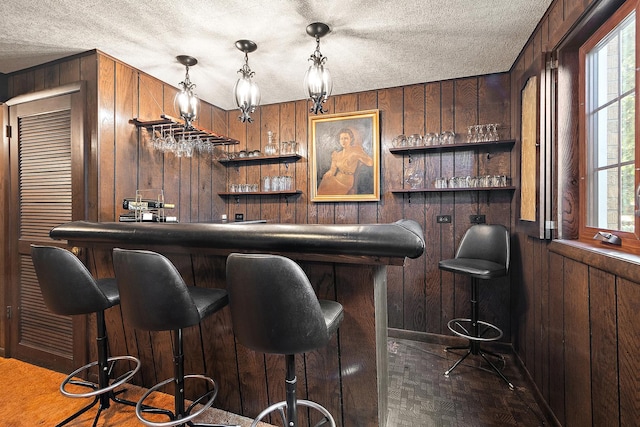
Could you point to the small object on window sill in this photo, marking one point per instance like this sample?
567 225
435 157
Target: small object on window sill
609 238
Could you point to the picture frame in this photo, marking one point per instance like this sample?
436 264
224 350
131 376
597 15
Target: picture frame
344 157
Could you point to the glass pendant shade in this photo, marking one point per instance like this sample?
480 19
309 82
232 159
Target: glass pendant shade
187 104
319 85
247 96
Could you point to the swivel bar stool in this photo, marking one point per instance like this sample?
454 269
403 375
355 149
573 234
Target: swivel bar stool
156 298
68 288
274 309
483 254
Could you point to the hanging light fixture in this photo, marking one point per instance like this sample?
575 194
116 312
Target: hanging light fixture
186 102
317 80
246 91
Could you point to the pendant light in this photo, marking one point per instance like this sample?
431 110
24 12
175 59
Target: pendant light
246 91
186 102
317 80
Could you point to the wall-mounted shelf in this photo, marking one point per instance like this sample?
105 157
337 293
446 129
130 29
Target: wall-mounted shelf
449 190
286 158
167 123
453 147
259 193
237 195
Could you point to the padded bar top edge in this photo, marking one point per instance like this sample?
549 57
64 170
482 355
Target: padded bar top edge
403 238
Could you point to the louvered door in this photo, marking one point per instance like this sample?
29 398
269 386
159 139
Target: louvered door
45 141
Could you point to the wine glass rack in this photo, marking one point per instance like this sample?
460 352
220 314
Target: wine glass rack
167 124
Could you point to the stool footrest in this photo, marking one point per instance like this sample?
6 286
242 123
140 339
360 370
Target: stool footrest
464 328
280 406
140 407
96 390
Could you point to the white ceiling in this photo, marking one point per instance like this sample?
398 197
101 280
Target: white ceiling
372 44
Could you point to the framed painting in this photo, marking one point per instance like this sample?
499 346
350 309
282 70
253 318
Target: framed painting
344 157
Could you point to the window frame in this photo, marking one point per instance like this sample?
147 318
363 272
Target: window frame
630 240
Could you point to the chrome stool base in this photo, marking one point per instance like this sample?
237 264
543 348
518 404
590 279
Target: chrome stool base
458 327
102 392
95 387
281 408
190 416
464 328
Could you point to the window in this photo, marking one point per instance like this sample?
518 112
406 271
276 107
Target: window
608 123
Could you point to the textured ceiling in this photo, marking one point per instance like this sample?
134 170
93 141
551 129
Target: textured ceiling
372 44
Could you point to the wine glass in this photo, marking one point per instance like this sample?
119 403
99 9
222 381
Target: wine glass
169 144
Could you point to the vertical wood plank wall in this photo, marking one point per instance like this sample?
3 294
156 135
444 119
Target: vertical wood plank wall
575 322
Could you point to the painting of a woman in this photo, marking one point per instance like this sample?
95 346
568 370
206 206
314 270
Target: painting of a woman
340 178
344 157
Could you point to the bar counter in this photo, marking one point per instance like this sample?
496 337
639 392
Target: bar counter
344 262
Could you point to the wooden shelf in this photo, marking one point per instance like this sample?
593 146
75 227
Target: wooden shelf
260 193
453 147
286 158
449 190
167 123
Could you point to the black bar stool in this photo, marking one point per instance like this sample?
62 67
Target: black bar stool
68 288
274 309
155 298
483 254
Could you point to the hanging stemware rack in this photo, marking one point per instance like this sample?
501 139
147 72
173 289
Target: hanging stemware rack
167 124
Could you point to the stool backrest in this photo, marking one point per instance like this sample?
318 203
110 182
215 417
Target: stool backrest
153 296
487 242
274 308
67 286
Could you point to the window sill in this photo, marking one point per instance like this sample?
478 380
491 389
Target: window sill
605 258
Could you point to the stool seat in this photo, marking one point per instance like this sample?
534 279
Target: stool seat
274 309
69 289
478 268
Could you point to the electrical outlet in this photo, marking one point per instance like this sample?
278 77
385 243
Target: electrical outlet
443 219
477 219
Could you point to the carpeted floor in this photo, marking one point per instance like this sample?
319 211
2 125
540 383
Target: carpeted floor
38 402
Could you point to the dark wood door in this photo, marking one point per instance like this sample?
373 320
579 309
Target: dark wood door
47 189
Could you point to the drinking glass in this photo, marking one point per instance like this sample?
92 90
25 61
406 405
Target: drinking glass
399 141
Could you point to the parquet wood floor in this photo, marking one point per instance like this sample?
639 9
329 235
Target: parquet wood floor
472 395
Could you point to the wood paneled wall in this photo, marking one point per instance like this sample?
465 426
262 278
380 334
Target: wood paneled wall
578 315
575 311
